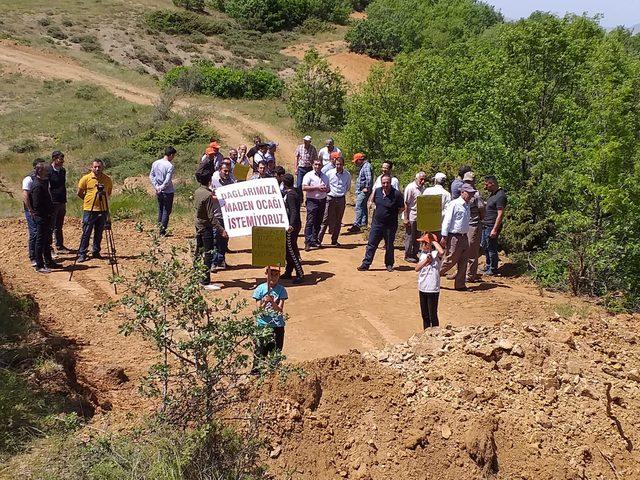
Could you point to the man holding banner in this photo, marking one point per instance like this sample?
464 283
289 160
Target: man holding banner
455 228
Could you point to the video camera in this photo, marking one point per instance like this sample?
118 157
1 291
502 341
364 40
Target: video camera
100 187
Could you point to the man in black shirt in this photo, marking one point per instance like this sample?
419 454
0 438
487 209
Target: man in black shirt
58 188
292 204
42 207
389 204
492 223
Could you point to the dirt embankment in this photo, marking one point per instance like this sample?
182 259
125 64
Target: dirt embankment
556 398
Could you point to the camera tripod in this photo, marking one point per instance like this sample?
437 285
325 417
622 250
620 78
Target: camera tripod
102 199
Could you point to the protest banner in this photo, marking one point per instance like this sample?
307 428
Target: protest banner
254 203
240 172
429 213
268 246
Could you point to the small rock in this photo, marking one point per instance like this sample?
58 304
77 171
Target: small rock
414 439
573 368
446 432
382 356
409 389
562 336
505 344
634 375
275 453
517 350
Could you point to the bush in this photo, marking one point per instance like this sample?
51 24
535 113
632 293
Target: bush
193 5
88 43
44 22
178 132
274 15
183 23
225 82
56 32
315 97
24 146
87 92
313 26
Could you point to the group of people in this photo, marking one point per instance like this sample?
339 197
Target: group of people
318 179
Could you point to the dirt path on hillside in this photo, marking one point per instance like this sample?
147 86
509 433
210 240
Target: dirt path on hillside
234 128
337 310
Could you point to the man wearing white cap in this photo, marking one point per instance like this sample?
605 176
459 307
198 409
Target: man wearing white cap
305 155
438 189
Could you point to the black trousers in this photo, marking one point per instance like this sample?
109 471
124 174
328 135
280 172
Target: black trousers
315 212
293 253
264 348
59 211
204 248
376 234
429 309
43 241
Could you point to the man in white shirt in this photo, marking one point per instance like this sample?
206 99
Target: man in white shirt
455 228
339 185
161 176
438 189
325 152
316 185
386 169
411 194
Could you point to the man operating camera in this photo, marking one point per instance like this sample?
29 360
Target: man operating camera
94 189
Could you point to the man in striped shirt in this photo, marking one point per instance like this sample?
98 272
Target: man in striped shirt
305 155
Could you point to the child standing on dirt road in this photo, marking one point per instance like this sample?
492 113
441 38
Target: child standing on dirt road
428 268
270 297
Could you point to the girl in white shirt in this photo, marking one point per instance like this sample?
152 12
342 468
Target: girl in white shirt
428 268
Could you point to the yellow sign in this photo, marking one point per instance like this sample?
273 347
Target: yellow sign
268 246
241 172
429 213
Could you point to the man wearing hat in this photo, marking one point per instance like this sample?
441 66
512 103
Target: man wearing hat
455 230
58 189
212 154
305 155
476 208
438 189
364 184
261 155
271 153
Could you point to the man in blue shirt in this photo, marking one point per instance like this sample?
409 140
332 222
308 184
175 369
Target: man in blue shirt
161 179
364 184
339 185
389 204
270 297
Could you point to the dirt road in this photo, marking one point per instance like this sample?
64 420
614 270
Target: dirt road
234 127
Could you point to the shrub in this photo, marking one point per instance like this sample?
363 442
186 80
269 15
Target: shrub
193 5
274 15
87 92
56 32
24 146
313 26
225 82
177 132
44 22
182 23
88 43
315 97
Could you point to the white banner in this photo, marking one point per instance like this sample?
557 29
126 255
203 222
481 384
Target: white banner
256 203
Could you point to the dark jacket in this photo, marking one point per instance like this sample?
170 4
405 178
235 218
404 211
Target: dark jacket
292 205
205 210
41 199
58 184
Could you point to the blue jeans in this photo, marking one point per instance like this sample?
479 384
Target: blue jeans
222 244
490 246
376 234
362 213
302 171
31 227
92 221
165 205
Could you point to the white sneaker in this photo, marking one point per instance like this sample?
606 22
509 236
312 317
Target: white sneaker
34 263
212 287
43 270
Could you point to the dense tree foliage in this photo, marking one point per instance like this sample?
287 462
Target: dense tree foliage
393 26
550 106
274 15
315 97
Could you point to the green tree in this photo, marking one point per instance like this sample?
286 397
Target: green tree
547 104
193 5
315 97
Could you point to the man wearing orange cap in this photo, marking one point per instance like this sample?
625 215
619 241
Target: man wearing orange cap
212 154
364 184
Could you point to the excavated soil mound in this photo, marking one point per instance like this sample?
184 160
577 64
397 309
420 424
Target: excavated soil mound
553 399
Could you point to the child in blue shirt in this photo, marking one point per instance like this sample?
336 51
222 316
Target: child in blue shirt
270 297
